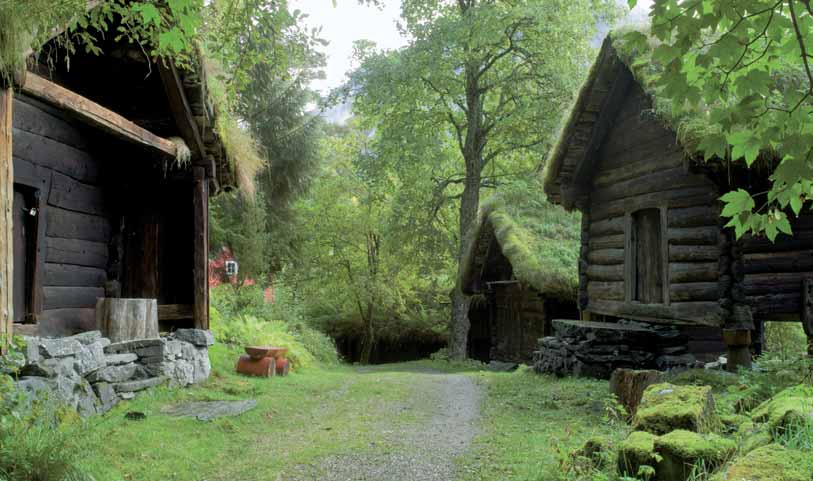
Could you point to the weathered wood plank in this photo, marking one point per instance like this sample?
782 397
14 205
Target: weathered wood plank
606 257
201 248
32 175
694 271
694 236
694 291
66 275
647 158
613 291
181 111
672 198
605 273
71 297
699 216
96 115
65 322
703 313
680 253
801 240
774 282
6 218
647 184
76 252
31 117
768 305
175 312
606 242
72 195
54 155
788 261
611 226
74 225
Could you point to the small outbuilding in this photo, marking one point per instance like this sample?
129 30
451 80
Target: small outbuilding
106 169
520 271
653 244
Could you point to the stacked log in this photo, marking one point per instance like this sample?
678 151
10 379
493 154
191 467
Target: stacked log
596 349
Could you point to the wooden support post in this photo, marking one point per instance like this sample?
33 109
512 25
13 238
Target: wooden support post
6 224
201 271
738 348
807 313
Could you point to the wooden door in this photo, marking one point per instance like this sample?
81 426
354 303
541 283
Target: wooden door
21 241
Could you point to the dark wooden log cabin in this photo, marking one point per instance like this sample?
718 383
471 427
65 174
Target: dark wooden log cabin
653 245
520 269
107 168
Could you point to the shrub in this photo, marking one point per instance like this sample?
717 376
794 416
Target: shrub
39 443
784 340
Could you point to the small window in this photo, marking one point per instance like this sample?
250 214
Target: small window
231 268
646 256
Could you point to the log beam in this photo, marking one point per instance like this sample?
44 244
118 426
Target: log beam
95 115
807 313
201 271
6 225
181 111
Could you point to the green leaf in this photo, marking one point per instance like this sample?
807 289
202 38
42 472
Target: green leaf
737 202
713 145
149 14
630 3
744 146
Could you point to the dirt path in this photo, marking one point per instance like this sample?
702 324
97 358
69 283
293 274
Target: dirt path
418 438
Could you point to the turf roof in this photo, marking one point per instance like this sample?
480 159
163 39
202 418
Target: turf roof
539 239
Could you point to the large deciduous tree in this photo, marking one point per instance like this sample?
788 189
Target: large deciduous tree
494 76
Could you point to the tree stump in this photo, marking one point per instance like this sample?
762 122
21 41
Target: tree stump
127 319
628 385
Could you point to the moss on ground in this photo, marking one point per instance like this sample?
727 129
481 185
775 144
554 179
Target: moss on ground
793 406
636 451
772 463
666 407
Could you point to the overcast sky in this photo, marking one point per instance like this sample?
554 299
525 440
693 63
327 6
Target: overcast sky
349 21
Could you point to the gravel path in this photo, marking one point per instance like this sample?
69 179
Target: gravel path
447 408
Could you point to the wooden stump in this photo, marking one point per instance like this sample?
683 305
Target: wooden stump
628 385
127 319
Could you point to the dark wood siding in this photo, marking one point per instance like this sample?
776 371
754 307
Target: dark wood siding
641 166
54 156
774 271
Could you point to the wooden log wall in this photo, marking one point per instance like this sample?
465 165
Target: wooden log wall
772 273
519 321
6 219
640 166
54 157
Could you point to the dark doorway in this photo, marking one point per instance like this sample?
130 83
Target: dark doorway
646 245
24 231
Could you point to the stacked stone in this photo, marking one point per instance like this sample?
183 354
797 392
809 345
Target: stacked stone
596 349
88 373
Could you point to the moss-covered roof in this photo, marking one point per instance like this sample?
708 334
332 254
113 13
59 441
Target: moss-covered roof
539 239
579 135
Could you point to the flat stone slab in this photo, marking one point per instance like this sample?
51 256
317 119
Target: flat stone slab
209 410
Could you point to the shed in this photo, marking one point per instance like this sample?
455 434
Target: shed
520 269
106 169
653 245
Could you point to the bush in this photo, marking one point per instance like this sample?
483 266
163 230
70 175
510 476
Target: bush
39 443
305 345
785 340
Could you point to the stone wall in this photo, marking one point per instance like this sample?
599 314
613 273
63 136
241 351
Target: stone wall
90 374
596 349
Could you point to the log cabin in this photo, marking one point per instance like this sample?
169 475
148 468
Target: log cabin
520 271
106 169
653 244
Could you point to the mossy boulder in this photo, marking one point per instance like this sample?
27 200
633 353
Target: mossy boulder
793 406
772 463
680 451
666 407
594 453
636 451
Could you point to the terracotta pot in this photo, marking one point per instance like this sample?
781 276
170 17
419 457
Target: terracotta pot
282 366
263 367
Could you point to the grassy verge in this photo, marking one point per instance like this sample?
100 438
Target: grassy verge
530 424
298 419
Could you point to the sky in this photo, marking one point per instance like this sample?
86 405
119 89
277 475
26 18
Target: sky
349 21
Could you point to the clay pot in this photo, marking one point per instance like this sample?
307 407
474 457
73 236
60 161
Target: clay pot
262 367
259 352
282 366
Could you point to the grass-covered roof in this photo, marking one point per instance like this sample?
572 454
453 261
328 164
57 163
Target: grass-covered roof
622 54
539 239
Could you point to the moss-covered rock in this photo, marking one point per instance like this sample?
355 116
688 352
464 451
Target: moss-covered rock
793 406
681 450
595 452
667 407
731 423
636 451
772 463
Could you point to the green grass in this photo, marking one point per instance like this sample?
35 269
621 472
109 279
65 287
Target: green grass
532 423
298 419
